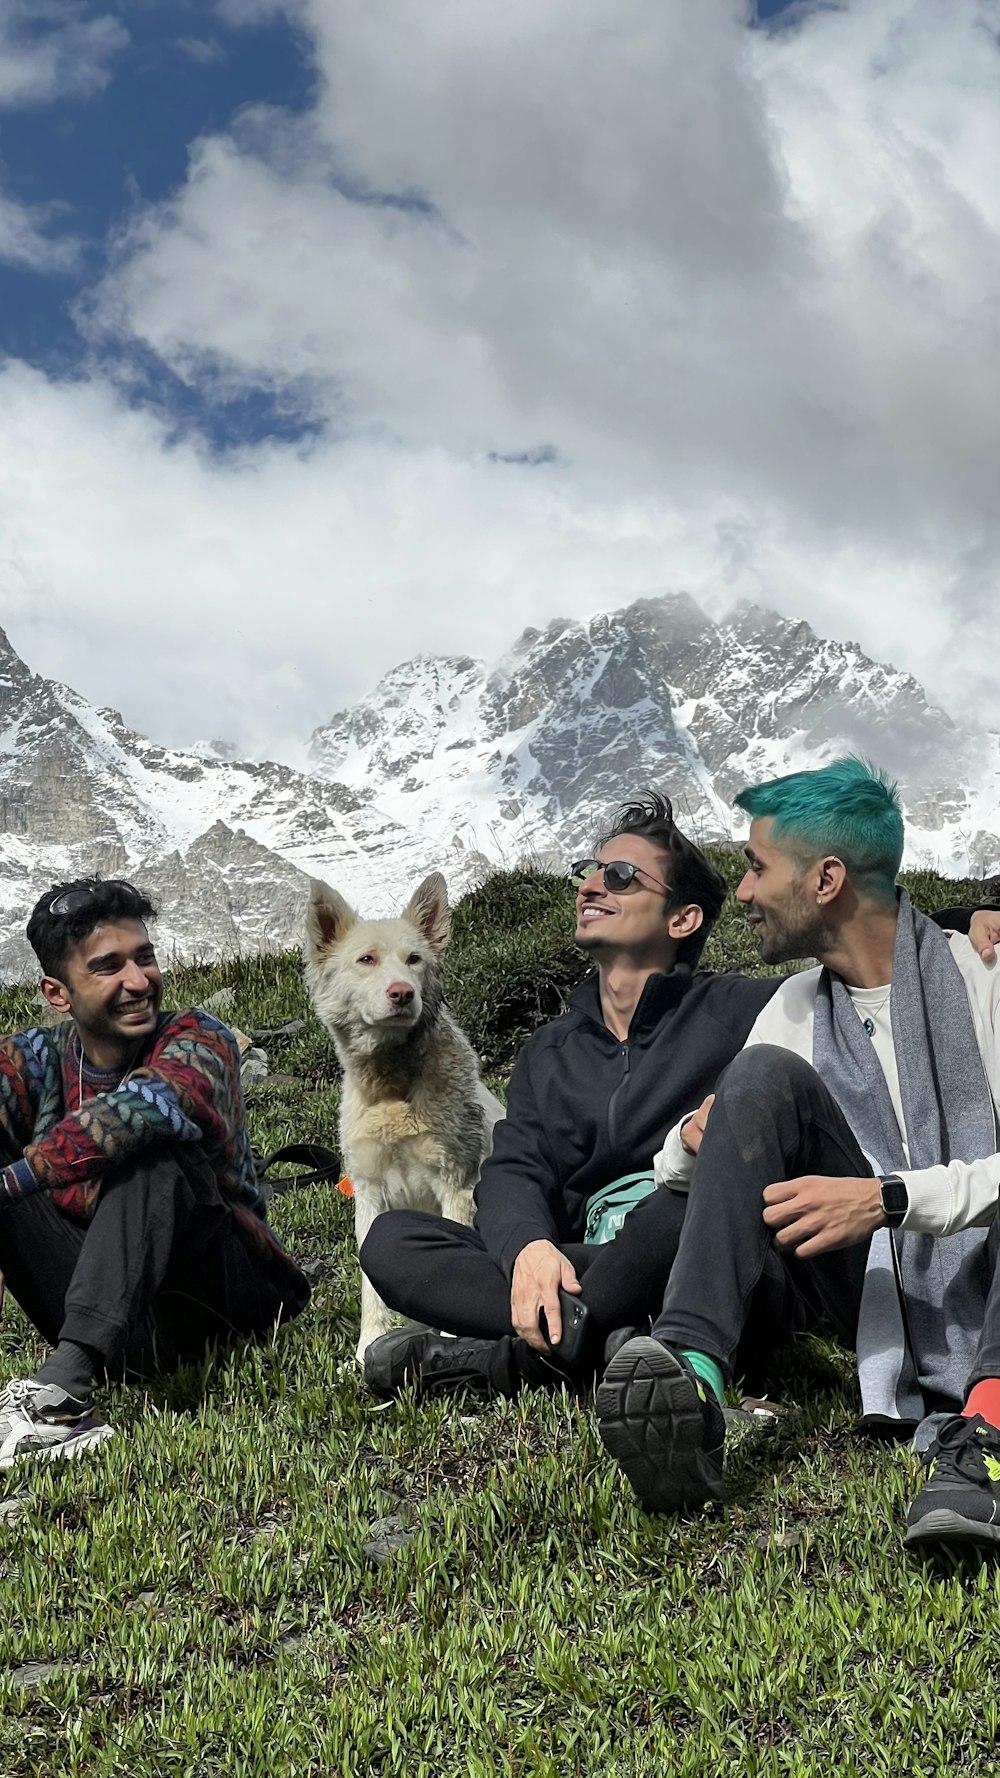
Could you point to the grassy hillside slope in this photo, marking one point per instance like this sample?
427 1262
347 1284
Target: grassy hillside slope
217 1591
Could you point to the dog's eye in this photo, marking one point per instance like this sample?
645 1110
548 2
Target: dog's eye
367 958
414 957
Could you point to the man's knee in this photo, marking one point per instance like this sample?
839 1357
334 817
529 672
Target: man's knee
765 1072
166 1166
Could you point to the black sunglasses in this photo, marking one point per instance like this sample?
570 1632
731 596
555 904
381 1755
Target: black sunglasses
75 899
619 875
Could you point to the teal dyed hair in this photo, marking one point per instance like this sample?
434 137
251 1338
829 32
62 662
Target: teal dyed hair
850 809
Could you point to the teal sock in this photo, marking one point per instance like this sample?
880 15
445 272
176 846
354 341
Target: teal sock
709 1372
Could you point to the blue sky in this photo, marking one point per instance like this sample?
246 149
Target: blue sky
179 71
334 332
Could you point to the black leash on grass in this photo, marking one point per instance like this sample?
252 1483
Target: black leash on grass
325 1165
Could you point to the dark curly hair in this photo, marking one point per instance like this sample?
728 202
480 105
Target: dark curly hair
693 879
52 936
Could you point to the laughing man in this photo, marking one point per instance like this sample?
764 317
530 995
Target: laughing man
850 1156
132 1231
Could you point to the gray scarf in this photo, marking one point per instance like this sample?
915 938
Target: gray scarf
948 1115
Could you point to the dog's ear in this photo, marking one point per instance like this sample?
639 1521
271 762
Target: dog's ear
428 909
328 917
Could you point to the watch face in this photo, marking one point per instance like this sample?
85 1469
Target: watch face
895 1199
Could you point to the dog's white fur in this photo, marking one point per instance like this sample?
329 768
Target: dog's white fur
416 1121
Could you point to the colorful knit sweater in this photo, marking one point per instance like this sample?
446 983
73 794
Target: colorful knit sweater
185 1087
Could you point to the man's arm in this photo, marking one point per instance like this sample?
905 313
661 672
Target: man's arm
674 1164
815 1214
778 1018
980 925
189 1091
30 1086
517 1213
944 1199
518 1191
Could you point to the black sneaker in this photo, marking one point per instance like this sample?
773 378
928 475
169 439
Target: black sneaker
663 1425
960 1500
438 1364
617 1338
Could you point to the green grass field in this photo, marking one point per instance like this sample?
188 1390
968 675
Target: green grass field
217 1591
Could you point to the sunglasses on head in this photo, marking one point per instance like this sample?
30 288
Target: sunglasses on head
75 899
619 875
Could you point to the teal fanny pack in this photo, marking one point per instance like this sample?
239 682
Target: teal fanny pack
608 1208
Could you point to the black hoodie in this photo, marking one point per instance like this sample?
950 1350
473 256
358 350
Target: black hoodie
584 1107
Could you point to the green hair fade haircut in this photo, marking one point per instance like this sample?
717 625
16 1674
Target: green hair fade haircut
849 809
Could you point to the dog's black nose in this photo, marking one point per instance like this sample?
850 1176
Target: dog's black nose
399 993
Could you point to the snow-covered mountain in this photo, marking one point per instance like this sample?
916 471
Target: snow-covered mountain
527 756
220 844
461 765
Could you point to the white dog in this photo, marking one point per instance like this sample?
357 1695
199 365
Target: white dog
416 1121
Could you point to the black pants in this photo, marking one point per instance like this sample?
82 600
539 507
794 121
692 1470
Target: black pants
439 1271
157 1276
773 1119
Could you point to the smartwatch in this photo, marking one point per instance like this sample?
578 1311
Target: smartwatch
895 1199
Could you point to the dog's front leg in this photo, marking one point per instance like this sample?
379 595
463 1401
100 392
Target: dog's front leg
454 1196
376 1318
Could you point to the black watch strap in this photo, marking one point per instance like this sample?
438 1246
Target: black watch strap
895 1199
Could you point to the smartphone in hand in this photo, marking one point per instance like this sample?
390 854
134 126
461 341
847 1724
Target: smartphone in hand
575 1321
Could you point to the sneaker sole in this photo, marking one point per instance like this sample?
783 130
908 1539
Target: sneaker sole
943 1525
650 1419
68 1448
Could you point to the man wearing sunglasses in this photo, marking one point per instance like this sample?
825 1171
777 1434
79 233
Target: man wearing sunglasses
851 1155
590 1101
132 1229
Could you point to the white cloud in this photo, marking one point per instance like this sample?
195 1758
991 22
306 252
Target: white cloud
24 242
49 49
203 50
744 284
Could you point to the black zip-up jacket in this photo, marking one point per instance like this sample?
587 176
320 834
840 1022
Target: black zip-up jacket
584 1107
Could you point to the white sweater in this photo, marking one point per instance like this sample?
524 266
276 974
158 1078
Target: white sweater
942 1199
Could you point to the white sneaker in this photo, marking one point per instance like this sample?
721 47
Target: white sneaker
27 1431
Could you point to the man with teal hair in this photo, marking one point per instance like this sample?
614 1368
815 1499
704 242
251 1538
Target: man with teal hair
856 1129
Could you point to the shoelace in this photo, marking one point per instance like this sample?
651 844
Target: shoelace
18 1394
960 1451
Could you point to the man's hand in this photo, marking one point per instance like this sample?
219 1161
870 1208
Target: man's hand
693 1128
539 1270
984 933
816 1215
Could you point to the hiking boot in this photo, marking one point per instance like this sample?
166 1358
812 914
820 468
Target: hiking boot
41 1420
663 1425
438 1364
960 1500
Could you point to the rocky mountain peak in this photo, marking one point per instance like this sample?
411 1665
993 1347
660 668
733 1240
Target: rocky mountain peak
458 764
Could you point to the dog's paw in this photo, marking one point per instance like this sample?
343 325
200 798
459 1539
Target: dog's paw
373 1330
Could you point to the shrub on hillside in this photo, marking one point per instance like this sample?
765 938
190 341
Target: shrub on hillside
511 963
